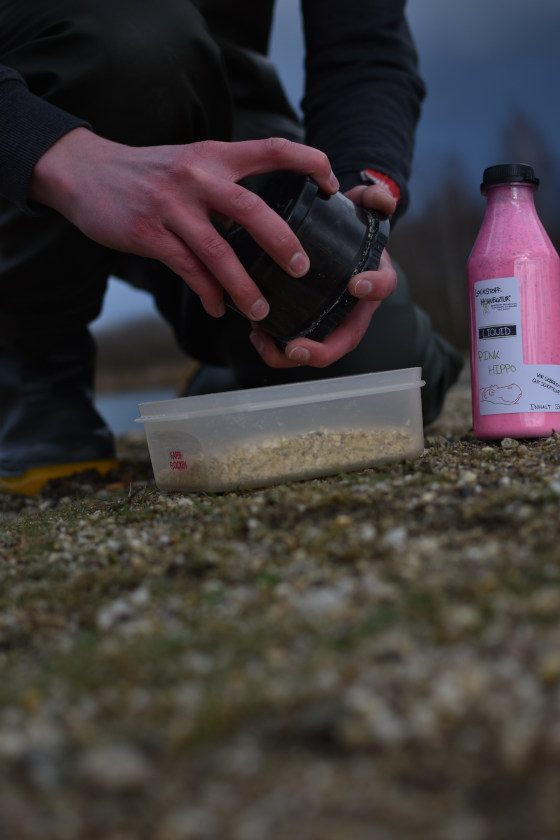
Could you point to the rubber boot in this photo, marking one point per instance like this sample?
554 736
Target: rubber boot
48 423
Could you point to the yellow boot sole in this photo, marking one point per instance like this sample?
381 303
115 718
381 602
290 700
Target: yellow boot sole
34 479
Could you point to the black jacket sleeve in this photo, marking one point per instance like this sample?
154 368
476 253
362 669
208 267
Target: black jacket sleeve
363 91
29 126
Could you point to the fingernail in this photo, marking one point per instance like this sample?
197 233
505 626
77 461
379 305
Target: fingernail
333 181
215 310
299 355
256 340
299 264
363 287
259 310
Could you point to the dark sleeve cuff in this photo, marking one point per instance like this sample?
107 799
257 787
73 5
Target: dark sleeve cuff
30 126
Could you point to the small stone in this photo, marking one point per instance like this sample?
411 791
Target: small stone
115 767
548 667
117 612
460 618
509 443
545 602
323 600
465 827
189 824
367 532
396 538
140 597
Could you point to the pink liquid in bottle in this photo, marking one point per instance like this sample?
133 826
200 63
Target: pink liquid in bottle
513 277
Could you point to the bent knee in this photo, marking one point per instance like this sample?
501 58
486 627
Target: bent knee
163 72
139 72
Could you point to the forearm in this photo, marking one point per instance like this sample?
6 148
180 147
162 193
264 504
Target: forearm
363 91
30 126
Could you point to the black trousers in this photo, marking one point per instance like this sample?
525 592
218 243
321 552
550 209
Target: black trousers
145 73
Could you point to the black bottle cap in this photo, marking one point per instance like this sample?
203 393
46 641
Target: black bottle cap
508 173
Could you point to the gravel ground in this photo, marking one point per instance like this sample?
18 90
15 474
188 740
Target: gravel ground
370 656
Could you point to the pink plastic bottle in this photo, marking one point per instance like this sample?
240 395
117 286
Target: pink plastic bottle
514 306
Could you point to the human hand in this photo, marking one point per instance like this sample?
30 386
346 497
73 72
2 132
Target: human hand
371 287
157 202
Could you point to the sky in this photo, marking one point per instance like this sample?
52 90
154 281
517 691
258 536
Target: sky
482 60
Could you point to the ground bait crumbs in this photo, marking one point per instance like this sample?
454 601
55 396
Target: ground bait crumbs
308 455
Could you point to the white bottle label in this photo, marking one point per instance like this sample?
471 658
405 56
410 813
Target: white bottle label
506 385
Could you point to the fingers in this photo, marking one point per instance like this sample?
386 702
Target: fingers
373 197
209 266
207 261
372 287
215 264
182 261
304 351
375 285
253 157
266 227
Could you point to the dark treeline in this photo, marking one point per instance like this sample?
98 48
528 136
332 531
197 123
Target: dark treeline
433 244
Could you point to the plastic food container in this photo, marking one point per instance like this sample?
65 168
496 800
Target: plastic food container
262 436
